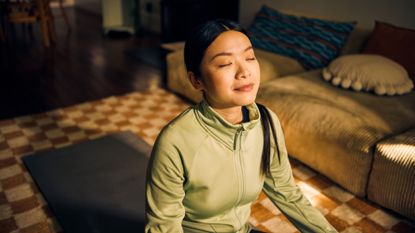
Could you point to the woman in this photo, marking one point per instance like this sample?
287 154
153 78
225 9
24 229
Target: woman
210 163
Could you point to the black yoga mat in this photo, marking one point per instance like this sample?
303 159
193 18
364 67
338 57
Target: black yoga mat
95 186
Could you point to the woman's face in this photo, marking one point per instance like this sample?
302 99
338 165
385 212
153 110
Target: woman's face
230 72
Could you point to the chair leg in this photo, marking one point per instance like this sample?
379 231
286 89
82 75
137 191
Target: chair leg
65 17
51 23
30 32
43 23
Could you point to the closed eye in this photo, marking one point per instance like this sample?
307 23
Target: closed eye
251 59
224 65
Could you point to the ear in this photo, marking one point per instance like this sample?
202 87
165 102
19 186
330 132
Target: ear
195 81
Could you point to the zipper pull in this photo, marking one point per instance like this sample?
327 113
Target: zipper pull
235 140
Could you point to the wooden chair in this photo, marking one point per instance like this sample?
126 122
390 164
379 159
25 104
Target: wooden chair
30 12
61 15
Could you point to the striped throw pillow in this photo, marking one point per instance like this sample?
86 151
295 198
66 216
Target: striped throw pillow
313 42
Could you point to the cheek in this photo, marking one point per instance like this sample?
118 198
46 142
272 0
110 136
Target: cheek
219 79
256 71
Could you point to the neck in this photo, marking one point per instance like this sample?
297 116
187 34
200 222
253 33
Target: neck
233 114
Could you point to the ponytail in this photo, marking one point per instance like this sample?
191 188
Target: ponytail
266 121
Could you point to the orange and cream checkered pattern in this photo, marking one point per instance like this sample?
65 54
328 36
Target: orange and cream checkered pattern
23 209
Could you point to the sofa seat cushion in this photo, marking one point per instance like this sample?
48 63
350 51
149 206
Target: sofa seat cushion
272 66
391 182
334 130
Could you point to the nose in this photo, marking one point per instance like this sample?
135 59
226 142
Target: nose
243 72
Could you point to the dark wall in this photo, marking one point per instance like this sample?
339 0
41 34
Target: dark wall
179 16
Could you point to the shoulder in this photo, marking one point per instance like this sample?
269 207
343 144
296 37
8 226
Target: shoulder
279 144
178 142
274 117
184 123
180 132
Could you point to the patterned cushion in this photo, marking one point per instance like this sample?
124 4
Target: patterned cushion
313 42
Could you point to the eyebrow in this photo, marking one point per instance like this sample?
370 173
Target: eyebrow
228 54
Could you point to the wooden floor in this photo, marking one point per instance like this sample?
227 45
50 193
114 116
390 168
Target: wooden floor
79 67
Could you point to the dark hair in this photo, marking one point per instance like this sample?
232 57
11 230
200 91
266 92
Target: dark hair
196 44
201 37
266 121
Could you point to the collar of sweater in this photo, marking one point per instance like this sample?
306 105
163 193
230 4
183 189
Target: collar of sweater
221 129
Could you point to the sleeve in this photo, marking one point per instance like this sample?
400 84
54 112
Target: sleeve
279 186
164 189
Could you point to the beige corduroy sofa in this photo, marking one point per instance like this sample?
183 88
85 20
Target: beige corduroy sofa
363 142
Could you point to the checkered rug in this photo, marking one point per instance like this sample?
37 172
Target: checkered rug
23 209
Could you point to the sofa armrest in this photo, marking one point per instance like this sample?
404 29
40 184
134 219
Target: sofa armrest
177 79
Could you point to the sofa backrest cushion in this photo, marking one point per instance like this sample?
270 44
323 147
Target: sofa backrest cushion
356 40
394 42
313 42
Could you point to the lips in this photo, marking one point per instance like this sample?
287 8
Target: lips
245 88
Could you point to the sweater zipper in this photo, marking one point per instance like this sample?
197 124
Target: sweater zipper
240 173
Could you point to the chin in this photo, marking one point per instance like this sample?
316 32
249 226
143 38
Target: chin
246 100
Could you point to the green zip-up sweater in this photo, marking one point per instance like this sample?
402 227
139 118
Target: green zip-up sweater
204 174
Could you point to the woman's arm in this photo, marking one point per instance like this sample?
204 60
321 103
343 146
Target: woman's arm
164 189
286 195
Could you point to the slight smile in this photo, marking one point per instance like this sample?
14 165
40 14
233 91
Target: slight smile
245 88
